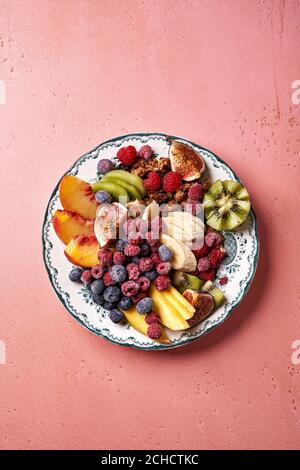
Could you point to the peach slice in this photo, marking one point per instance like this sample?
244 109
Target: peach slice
68 225
77 196
83 251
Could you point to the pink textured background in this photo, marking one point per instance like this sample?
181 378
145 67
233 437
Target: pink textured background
219 73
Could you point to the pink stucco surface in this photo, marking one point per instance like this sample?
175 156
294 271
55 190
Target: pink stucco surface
219 73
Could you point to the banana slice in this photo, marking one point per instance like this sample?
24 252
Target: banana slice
183 258
187 221
178 233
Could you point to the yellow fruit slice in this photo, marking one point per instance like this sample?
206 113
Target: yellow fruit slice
168 314
184 312
138 322
182 300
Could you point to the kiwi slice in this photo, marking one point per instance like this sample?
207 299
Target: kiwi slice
226 205
218 296
132 191
130 178
113 189
183 281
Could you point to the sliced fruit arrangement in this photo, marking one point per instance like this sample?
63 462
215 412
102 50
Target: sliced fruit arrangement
226 205
151 269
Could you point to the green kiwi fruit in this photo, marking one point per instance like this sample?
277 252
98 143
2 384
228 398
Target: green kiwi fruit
226 205
130 178
113 189
218 296
183 281
132 191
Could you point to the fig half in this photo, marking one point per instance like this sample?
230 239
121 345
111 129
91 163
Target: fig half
203 303
186 161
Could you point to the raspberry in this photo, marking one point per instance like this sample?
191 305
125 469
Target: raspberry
134 238
144 283
155 258
142 225
131 250
119 257
130 288
154 331
201 252
130 226
133 271
108 281
163 268
127 155
145 152
223 280
162 282
136 298
97 271
195 192
86 277
216 257
105 256
208 275
171 182
157 226
146 264
153 181
153 240
152 317
203 264
213 238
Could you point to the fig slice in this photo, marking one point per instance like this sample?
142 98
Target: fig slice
186 161
108 220
203 303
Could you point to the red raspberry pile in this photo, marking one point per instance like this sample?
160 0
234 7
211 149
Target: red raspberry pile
209 256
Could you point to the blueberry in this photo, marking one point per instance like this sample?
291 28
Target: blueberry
105 165
112 294
116 316
151 275
75 275
125 303
108 305
145 305
97 286
103 197
145 249
135 259
118 273
120 245
98 298
165 253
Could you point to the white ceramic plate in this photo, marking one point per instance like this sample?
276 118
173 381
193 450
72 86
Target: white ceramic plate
241 245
